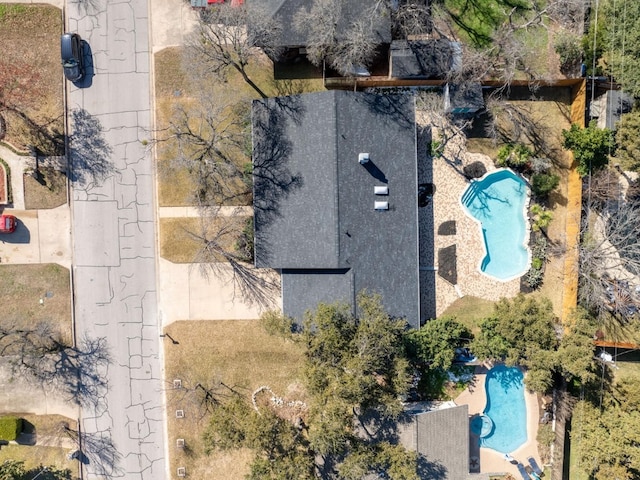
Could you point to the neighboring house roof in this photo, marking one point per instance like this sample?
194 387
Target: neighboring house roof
442 438
314 201
427 59
609 107
463 99
285 11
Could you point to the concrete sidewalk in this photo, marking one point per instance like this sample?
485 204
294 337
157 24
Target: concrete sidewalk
193 212
20 395
17 165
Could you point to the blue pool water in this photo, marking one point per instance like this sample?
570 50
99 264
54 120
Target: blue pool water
506 409
497 202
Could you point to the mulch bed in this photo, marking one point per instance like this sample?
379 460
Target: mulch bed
448 264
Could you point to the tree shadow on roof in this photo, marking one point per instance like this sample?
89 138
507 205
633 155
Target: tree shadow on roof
391 107
273 180
430 469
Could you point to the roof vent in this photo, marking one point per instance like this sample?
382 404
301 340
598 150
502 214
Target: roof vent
381 190
381 205
363 158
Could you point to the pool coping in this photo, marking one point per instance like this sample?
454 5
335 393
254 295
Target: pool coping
527 222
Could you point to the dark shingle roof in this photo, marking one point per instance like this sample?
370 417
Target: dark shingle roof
424 58
322 229
442 437
285 11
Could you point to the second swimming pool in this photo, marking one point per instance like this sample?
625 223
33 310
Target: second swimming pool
506 408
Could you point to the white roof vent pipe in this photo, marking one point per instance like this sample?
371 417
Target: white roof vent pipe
381 190
381 205
363 158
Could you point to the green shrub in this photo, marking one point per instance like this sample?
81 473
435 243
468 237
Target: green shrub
514 156
539 247
545 435
543 183
437 149
277 324
541 217
537 263
534 278
569 47
10 427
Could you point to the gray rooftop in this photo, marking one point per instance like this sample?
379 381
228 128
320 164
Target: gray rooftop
427 59
314 202
286 10
609 107
442 438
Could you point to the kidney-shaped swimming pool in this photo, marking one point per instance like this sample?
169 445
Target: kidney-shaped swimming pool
497 202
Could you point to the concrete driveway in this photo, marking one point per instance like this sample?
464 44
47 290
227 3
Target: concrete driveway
42 236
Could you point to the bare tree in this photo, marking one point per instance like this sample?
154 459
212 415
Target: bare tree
609 256
227 38
412 18
199 395
95 449
218 255
210 137
332 37
568 13
447 131
506 54
41 354
602 189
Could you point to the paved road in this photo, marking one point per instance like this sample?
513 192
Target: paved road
114 241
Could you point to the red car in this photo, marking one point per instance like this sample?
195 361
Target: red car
7 223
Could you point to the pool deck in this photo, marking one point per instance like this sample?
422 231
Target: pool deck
492 461
450 183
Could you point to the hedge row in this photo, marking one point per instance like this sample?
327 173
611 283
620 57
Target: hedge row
10 427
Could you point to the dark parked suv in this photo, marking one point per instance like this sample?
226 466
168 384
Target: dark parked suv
72 56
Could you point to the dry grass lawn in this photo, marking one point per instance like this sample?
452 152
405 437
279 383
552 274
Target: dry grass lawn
22 287
51 194
238 354
31 36
175 87
181 238
470 311
36 455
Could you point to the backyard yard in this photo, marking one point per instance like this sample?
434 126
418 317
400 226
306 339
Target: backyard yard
544 114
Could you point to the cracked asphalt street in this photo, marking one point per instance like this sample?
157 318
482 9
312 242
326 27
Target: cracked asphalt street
113 219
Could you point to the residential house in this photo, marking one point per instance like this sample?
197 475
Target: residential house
293 43
424 59
335 197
